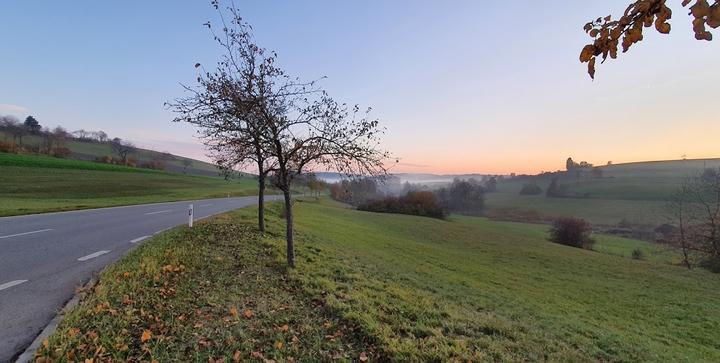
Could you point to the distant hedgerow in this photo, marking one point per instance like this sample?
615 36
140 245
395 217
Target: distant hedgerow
414 203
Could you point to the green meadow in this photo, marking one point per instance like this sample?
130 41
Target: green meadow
399 288
37 184
635 193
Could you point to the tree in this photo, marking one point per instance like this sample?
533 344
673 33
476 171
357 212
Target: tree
555 189
32 125
53 142
101 136
607 32
696 211
83 135
226 104
571 165
12 126
186 164
122 148
304 133
463 196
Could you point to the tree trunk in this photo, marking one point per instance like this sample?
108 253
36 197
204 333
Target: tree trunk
289 229
261 203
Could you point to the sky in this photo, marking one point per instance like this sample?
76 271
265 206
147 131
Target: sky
461 86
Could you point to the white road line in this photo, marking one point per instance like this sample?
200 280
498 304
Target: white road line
26 233
136 240
93 255
205 205
158 212
10 284
162 230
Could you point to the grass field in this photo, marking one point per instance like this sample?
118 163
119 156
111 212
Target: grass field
36 184
403 288
88 151
632 192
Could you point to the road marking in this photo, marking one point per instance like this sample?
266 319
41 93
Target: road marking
158 212
205 205
10 284
26 233
93 255
136 240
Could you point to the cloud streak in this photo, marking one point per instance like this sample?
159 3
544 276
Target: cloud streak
15 110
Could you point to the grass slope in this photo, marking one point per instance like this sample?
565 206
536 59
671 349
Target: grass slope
471 288
88 151
36 184
416 289
634 192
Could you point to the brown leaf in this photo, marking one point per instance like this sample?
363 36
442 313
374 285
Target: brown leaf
363 357
146 335
248 314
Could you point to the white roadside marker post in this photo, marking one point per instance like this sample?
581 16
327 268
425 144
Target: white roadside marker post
190 216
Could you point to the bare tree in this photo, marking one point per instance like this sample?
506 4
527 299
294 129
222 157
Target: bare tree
303 134
696 212
122 148
186 164
225 103
12 126
101 136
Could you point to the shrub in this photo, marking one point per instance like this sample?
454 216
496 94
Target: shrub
61 152
107 159
413 203
531 189
638 254
154 164
462 197
8 147
555 189
574 232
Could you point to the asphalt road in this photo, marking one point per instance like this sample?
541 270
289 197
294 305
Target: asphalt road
43 257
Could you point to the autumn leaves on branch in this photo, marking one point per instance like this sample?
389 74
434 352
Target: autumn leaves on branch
609 34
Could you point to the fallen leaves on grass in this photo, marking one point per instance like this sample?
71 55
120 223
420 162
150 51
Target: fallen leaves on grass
248 314
146 335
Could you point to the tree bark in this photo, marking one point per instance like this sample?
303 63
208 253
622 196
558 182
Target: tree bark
289 229
261 202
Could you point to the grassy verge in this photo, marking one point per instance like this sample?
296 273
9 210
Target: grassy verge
213 293
34 184
419 289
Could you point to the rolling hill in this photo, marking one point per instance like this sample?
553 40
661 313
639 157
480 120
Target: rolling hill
36 184
91 150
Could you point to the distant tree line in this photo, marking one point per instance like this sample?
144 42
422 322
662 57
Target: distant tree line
53 142
461 197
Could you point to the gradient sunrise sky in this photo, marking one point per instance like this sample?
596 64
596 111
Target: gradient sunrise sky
462 86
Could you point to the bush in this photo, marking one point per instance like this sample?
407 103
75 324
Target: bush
531 189
574 232
154 164
555 189
8 147
61 152
413 203
107 159
638 254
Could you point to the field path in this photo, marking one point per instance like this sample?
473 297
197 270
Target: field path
43 257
